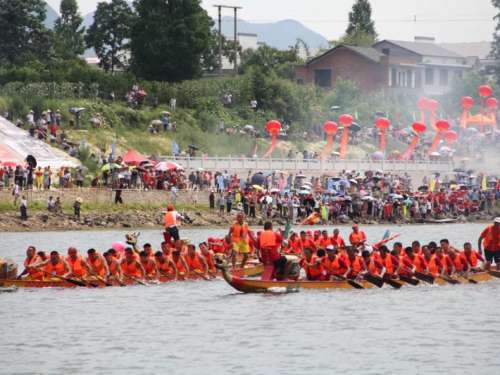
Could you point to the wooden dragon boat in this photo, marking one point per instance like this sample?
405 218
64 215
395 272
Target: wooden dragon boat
262 286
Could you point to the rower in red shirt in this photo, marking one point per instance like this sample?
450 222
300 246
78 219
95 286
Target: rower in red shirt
472 257
357 236
390 262
407 262
372 264
417 260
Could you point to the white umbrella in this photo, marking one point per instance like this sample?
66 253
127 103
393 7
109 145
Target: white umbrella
168 166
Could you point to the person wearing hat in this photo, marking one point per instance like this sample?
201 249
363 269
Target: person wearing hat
334 266
357 236
490 236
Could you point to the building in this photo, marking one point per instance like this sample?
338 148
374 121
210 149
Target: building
365 66
246 41
421 67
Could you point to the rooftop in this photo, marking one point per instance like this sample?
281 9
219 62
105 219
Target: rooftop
423 48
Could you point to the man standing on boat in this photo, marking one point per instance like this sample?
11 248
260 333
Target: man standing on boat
357 236
269 243
240 235
491 238
171 220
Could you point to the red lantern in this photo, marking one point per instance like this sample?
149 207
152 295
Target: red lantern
422 104
485 91
450 136
330 127
273 127
382 123
491 103
346 120
442 125
467 103
432 105
418 127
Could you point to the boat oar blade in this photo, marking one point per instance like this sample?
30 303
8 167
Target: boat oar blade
494 273
409 280
449 280
422 276
375 280
395 284
355 285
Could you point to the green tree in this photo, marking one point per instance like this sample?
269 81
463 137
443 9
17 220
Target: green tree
23 36
211 56
110 33
68 31
269 59
361 28
169 39
495 50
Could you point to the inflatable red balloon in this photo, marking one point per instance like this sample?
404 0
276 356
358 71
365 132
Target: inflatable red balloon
492 103
330 127
467 102
382 123
450 136
418 127
485 91
346 120
442 125
273 127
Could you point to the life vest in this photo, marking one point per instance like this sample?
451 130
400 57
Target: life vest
165 268
388 264
324 242
194 263
295 246
170 219
209 258
356 266
445 261
131 269
334 267
76 266
434 265
418 262
180 265
337 241
314 271
33 273
458 262
269 247
372 266
357 238
98 266
239 232
149 267
472 259
113 267
59 268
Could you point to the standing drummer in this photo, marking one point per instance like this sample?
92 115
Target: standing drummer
491 238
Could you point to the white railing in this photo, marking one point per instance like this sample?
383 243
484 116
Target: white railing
296 165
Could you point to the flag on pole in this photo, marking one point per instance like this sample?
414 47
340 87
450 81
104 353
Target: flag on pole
175 148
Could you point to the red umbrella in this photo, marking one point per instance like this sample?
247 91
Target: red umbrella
11 164
133 157
167 166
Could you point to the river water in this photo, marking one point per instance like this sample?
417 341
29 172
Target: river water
204 327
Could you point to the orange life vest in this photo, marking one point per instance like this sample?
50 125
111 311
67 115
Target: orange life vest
209 258
312 271
357 238
433 266
472 259
131 269
356 265
170 219
194 263
59 268
418 262
372 266
458 262
113 267
76 266
98 266
333 267
149 267
491 238
388 264
165 267
180 265
267 239
33 273
239 232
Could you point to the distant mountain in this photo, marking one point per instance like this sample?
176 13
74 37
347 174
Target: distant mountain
51 17
280 34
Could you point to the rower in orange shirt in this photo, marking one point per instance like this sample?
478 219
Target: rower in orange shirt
472 257
306 241
459 262
417 260
324 240
195 262
357 236
209 257
294 244
54 265
317 239
179 260
166 267
130 266
337 239
148 249
149 265
355 263
334 265
115 272
372 264
389 261
97 264
313 265
32 258
491 238
447 264
78 265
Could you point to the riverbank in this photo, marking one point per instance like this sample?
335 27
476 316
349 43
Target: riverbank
151 217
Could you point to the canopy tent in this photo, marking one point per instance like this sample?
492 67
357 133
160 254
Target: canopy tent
133 157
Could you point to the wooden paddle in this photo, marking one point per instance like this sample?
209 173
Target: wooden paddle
494 273
352 283
450 280
375 280
424 277
71 281
202 275
409 280
395 284
136 280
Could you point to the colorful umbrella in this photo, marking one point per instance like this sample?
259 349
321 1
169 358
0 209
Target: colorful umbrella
168 166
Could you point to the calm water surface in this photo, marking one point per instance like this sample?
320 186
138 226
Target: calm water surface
207 328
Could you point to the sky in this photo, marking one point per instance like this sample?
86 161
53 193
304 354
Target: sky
446 20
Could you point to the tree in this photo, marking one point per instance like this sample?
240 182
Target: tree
23 36
269 59
169 39
495 49
361 28
211 56
68 31
110 33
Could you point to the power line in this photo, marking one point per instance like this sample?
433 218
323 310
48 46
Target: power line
405 20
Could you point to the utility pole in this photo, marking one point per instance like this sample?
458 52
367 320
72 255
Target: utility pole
235 8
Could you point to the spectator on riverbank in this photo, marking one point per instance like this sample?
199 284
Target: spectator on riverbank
23 208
